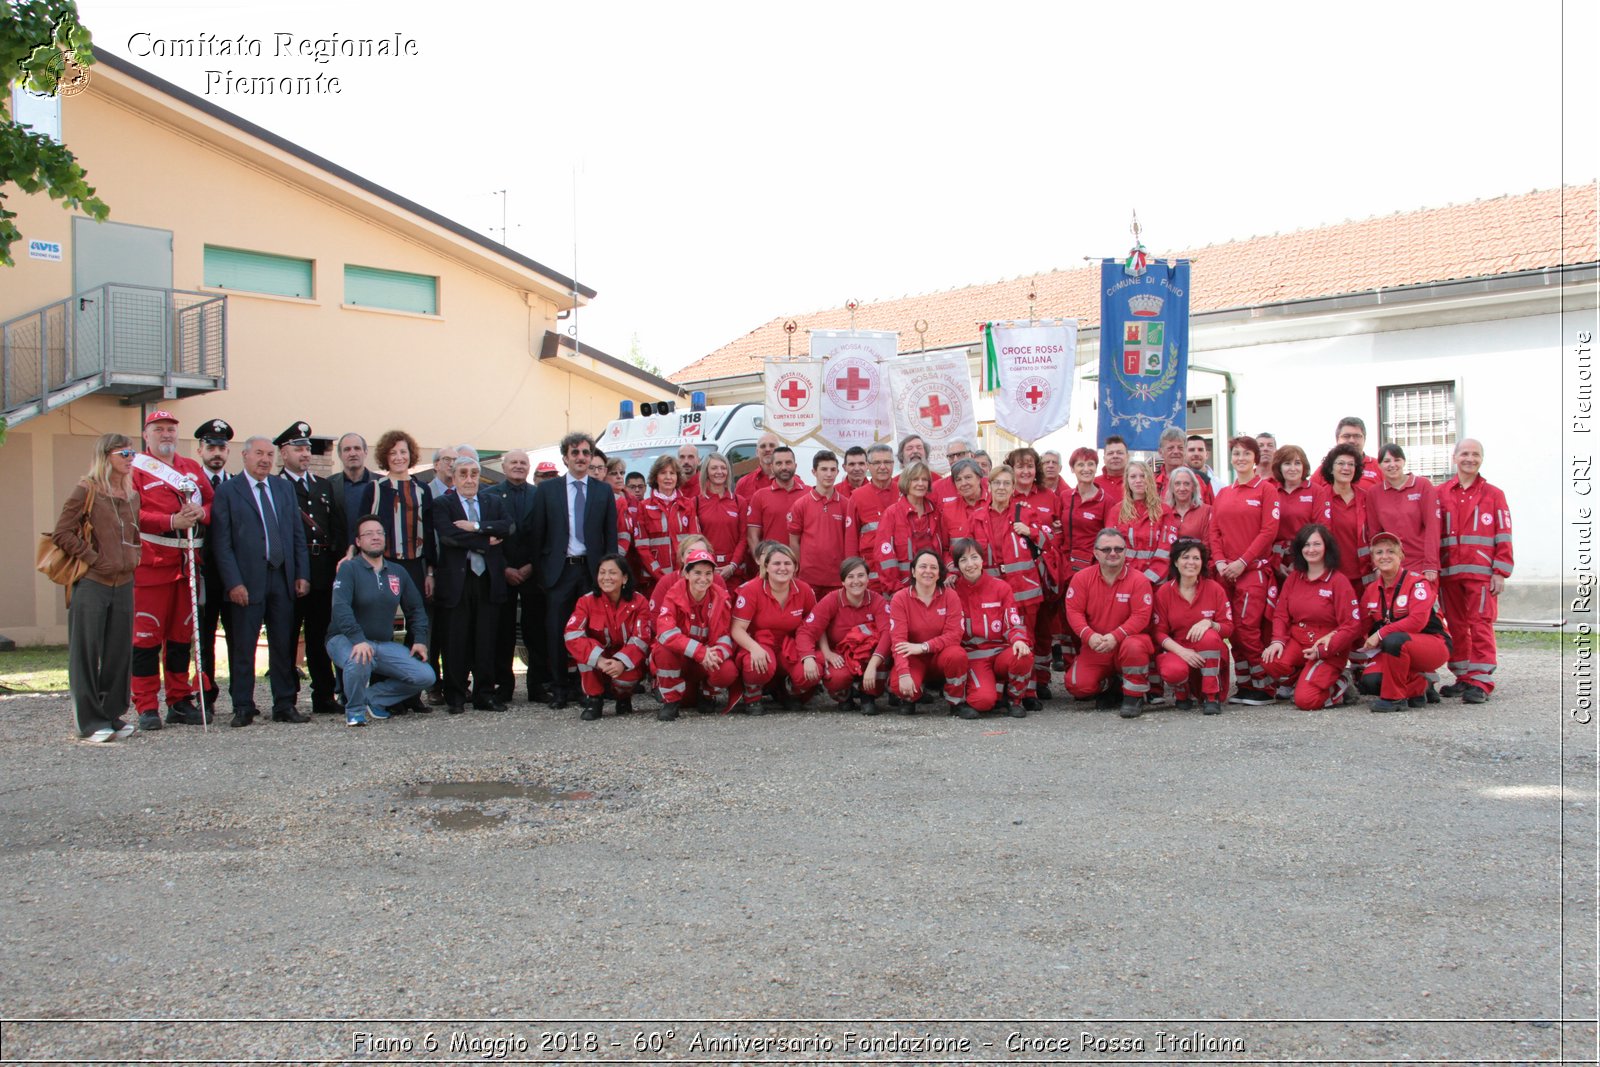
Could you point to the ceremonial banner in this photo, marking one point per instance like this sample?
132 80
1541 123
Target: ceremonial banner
855 391
933 399
1144 349
794 399
1032 365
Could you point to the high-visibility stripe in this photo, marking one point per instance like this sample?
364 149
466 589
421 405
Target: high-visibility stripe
1468 568
668 635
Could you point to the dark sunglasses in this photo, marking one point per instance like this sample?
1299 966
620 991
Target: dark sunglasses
125 453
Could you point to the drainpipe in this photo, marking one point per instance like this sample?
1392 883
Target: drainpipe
1228 391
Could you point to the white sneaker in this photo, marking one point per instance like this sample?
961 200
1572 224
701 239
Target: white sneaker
100 736
127 729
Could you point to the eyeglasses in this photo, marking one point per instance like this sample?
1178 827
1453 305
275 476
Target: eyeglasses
1111 551
580 452
125 453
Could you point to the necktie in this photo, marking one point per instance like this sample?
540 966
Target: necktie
268 517
475 558
216 480
577 510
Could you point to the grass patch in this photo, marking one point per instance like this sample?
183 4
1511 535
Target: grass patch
36 670
1551 639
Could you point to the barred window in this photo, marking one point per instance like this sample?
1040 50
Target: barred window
1422 420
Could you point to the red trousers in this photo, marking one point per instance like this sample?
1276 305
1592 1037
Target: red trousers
596 683
988 669
1315 679
838 680
1131 658
1209 678
163 630
1470 611
674 674
948 666
1252 626
1402 660
785 659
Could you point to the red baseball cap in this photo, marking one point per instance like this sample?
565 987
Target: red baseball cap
699 555
1383 535
545 467
160 416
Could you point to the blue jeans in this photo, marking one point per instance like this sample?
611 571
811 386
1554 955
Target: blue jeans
391 676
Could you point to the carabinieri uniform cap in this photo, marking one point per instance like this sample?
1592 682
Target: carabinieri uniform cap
298 433
215 432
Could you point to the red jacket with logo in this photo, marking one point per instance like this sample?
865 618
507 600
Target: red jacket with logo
823 527
659 524
689 628
1321 605
1411 513
1244 524
1294 511
937 623
1081 520
599 628
867 505
158 503
1006 554
722 520
1476 528
901 534
1412 606
1172 616
851 630
991 620
1149 541
1122 607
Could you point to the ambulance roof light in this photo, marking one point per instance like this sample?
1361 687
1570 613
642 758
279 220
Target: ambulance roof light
697 400
626 409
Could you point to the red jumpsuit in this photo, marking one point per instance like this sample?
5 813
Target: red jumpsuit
1411 513
822 525
768 513
1476 546
722 520
1349 525
1046 621
1414 639
1194 523
901 534
660 522
1149 541
773 626
1121 608
1081 521
938 624
1309 609
956 518
600 629
854 633
658 595
1173 616
991 625
1295 510
685 631
945 494
1007 555
1112 486
163 612
1244 524
867 505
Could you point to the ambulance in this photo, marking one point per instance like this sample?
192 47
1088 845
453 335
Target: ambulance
661 427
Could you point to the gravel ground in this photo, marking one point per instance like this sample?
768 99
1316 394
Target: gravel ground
1330 886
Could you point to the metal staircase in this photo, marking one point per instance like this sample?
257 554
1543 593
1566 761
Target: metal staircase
131 341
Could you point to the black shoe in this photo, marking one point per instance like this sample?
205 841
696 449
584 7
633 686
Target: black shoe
1044 691
436 696
1389 705
1058 663
869 706
1108 700
1453 690
183 713
289 715
539 694
624 705
755 707
1211 707
1184 704
455 709
1432 695
558 700
1132 707
149 721
964 710
488 705
242 718
1416 701
668 713
1019 711
591 711
326 707
1032 704
1474 695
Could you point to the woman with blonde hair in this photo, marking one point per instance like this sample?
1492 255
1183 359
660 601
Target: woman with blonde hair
1146 524
768 612
100 608
909 525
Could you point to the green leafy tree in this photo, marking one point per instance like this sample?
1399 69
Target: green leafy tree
43 46
636 356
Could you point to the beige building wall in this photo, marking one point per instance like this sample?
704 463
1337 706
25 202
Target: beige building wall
471 373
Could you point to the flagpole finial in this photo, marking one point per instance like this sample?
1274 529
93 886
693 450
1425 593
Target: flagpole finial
789 328
1136 227
851 306
921 326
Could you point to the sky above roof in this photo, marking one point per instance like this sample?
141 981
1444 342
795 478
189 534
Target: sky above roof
708 166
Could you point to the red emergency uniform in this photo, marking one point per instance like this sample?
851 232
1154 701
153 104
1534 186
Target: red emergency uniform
163 611
658 595
1121 608
768 512
990 626
1414 640
855 633
757 480
686 630
1081 520
722 520
901 534
1009 556
1349 525
1112 486
1371 475
1047 621
1207 494
660 522
822 524
938 624
1149 541
1173 616
1295 510
957 516
600 629
1475 546
1194 523
1244 525
867 505
773 626
1308 610
1411 513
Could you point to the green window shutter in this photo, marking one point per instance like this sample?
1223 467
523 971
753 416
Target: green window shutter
394 289
257 272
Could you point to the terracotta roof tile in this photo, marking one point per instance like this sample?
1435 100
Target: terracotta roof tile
1483 238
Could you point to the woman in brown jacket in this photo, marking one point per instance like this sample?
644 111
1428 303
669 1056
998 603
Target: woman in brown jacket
100 617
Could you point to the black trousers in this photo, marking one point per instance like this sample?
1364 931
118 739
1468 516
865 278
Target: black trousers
560 599
312 614
244 628
525 603
211 613
469 636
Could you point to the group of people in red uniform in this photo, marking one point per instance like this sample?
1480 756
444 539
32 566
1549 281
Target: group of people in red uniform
1319 585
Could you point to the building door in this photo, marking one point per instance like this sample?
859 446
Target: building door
127 320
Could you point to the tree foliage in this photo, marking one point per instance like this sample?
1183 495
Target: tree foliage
43 46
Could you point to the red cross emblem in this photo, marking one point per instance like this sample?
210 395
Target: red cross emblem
1034 395
793 393
934 410
852 384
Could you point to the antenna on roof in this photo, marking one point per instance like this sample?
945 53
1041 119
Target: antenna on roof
572 328
504 229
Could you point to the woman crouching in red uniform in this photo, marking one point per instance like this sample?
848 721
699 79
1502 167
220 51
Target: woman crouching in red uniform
925 632
1191 621
608 637
1408 638
1315 623
693 645
996 638
767 613
845 640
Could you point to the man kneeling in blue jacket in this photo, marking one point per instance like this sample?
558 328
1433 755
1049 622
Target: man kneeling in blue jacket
378 673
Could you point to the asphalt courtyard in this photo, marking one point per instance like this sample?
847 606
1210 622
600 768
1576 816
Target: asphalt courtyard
1264 885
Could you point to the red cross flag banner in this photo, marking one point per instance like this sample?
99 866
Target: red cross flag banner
855 386
933 399
794 399
1030 367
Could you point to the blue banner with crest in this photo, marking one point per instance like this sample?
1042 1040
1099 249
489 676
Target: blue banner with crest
1144 349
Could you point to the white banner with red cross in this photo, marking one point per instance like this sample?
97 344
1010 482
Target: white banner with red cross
794 398
855 386
933 398
1030 365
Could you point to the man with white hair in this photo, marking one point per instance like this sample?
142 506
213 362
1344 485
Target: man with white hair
1475 560
469 585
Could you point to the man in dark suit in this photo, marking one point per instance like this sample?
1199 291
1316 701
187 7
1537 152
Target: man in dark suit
574 525
469 584
524 596
326 542
213 438
348 481
261 554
